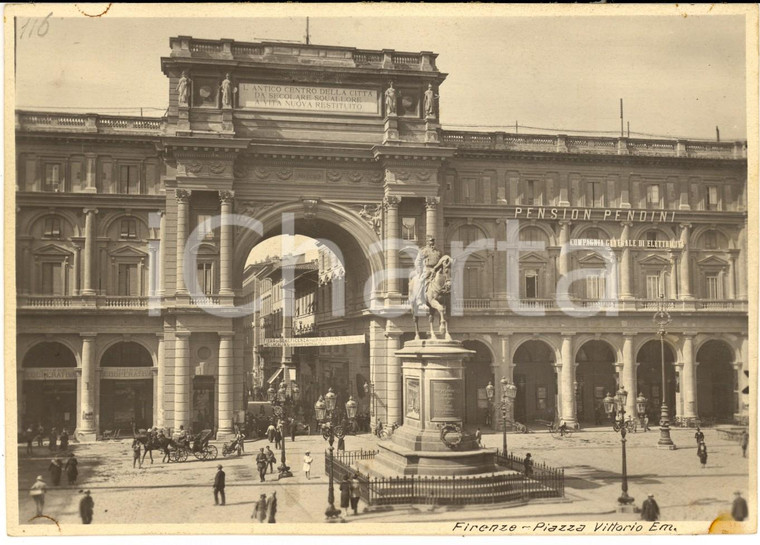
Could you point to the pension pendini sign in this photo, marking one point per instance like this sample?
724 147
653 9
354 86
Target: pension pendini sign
309 98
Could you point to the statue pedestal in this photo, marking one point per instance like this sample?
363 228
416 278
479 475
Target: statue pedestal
391 129
433 401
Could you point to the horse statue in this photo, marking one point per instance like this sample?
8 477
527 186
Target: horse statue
430 293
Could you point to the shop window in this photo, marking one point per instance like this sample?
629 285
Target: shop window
129 181
409 228
129 228
52 227
53 177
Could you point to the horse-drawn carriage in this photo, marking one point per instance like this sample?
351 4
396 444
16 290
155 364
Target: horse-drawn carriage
198 445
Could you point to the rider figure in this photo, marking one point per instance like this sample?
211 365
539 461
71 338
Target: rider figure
424 264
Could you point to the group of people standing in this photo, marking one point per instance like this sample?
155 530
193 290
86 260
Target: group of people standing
265 509
56 441
350 493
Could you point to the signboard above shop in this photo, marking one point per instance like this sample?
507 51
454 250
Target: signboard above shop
309 98
314 341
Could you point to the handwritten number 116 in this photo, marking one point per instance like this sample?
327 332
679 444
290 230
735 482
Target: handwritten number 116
42 29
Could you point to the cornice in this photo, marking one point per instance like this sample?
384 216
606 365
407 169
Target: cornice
89 199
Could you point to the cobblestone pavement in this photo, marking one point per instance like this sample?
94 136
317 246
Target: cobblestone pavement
182 492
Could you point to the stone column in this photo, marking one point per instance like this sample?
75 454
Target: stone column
182 379
225 382
431 217
86 430
506 370
90 176
89 251
567 380
77 269
731 273
183 205
391 245
393 379
161 252
629 375
673 275
226 243
160 381
625 264
685 276
689 383
151 270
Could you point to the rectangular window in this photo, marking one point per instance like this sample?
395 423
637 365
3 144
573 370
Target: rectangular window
594 194
52 279
472 276
129 183
53 177
595 287
653 196
409 228
530 192
52 228
712 197
128 228
205 278
128 284
713 287
531 285
653 286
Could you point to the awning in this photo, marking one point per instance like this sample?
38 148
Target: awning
291 373
275 375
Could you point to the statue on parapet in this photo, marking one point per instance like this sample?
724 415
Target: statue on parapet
429 102
390 100
429 283
183 89
226 88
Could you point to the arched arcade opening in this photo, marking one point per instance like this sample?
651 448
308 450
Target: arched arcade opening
49 387
126 387
536 382
595 377
477 374
649 378
717 383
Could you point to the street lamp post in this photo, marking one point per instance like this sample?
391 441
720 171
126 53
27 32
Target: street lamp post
333 425
284 406
615 409
490 394
508 393
641 408
662 319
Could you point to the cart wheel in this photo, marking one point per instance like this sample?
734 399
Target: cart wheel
211 452
181 455
225 451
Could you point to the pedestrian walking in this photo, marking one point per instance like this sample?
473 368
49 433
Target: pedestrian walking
345 492
307 461
55 468
37 492
702 453
40 435
29 441
646 422
260 509
649 509
278 437
270 433
528 464
53 443
72 469
86 508
261 464
136 451
219 485
479 437
271 459
293 425
745 443
739 509
64 440
699 436
240 438
272 508
356 492
341 444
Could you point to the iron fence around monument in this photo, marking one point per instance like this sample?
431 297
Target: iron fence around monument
545 482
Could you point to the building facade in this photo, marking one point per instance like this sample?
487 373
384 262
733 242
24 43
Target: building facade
132 309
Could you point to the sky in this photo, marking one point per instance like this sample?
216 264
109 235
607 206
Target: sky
678 76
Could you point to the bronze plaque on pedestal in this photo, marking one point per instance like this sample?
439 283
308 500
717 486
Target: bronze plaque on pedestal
446 400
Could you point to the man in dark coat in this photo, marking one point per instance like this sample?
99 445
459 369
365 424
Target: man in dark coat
744 443
649 509
528 464
56 468
293 425
219 485
86 508
699 436
53 439
64 439
272 508
739 509
271 459
261 464
72 471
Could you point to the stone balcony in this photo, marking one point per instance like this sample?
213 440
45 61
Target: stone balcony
89 123
593 145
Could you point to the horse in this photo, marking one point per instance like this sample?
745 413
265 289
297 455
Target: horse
431 294
161 442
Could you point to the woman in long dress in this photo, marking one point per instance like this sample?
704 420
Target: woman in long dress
702 453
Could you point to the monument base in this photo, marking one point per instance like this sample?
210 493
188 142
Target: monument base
396 460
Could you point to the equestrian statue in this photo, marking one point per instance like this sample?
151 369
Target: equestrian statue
429 282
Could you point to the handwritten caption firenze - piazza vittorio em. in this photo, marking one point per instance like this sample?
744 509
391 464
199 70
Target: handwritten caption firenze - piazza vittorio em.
309 98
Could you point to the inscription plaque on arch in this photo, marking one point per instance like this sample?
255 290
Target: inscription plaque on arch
309 98
446 399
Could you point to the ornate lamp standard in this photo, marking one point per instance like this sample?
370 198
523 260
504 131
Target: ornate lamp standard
615 409
284 406
662 319
490 393
333 425
641 408
508 393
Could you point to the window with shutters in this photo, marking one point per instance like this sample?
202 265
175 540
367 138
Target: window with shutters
531 284
711 240
594 194
206 278
712 286
654 283
52 227
530 192
53 177
595 287
653 196
129 181
129 228
128 281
